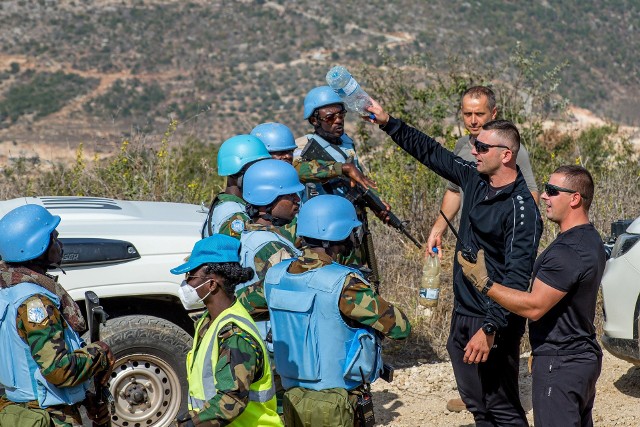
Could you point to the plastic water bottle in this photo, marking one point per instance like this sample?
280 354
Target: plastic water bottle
349 90
430 285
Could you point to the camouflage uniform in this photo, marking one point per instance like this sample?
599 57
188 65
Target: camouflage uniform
48 348
321 171
289 232
225 227
240 363
317 170
358 302
273 252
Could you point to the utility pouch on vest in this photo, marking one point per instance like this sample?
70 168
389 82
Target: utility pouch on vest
307 408
363 354
16 415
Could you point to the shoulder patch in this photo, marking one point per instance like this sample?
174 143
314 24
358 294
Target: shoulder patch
36 313
237 225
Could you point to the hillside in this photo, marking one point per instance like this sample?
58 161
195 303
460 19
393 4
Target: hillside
96 71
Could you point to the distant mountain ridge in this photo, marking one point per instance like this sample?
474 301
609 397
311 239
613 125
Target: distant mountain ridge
223 67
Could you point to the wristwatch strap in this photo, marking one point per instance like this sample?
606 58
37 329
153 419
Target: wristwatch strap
487 286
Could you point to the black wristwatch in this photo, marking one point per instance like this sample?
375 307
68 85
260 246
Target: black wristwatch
489 328
487 286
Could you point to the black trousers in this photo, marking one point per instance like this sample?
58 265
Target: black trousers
564 389
489 389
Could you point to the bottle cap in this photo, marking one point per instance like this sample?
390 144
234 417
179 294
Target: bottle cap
435 250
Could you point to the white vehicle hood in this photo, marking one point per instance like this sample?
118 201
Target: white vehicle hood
153 227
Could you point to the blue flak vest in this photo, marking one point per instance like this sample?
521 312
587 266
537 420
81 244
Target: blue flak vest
221 213
19 373
313 346
250 244
347 151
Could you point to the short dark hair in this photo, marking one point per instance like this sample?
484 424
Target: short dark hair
579 179
232 274
507 131
478 91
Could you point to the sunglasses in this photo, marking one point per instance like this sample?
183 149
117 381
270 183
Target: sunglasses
331 118
482 148
554 190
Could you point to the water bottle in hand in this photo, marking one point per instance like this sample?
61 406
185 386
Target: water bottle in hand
349 90
430 286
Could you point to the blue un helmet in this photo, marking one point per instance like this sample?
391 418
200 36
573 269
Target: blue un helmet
319 97
238 151
266 180
26 233
275 136
327 217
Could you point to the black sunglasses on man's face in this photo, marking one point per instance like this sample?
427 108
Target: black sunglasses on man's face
554 190
482 148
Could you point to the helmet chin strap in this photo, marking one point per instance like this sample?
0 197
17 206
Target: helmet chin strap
278 222
58 266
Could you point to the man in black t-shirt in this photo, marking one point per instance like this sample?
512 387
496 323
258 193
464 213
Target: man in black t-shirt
561 304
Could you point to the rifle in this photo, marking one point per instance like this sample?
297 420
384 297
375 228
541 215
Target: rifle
467 253
358 195
95 316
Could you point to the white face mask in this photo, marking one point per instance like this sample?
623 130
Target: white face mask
189 297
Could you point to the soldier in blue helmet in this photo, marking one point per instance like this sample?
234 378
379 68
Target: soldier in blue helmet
278 139
328 156
325 319
40 323
328 153
271 190
227 212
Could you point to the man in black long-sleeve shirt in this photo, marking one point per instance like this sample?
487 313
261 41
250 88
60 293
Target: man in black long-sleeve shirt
499 216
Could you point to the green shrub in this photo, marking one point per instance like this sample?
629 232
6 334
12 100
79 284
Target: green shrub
42 94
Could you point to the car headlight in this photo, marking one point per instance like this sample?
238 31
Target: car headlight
624 242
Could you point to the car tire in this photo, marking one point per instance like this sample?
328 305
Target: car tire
149 380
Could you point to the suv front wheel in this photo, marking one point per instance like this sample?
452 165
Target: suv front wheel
149 381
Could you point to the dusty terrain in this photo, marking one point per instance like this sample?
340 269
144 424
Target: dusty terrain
418 395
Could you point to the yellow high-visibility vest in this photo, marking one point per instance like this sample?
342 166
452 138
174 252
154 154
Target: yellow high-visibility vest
261 410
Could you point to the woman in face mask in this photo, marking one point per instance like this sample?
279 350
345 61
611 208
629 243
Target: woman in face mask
228 368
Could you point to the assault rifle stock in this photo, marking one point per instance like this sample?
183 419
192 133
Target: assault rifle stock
96 316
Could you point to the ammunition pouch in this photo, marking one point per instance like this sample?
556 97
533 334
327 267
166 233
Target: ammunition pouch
329 408
18 415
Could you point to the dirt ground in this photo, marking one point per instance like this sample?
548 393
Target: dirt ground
418 395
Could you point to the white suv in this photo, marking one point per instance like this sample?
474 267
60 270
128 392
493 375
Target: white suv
123 251
621 295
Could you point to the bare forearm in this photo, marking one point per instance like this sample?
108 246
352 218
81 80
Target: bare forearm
519 302
451 202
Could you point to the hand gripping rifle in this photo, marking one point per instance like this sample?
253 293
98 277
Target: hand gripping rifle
95 316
